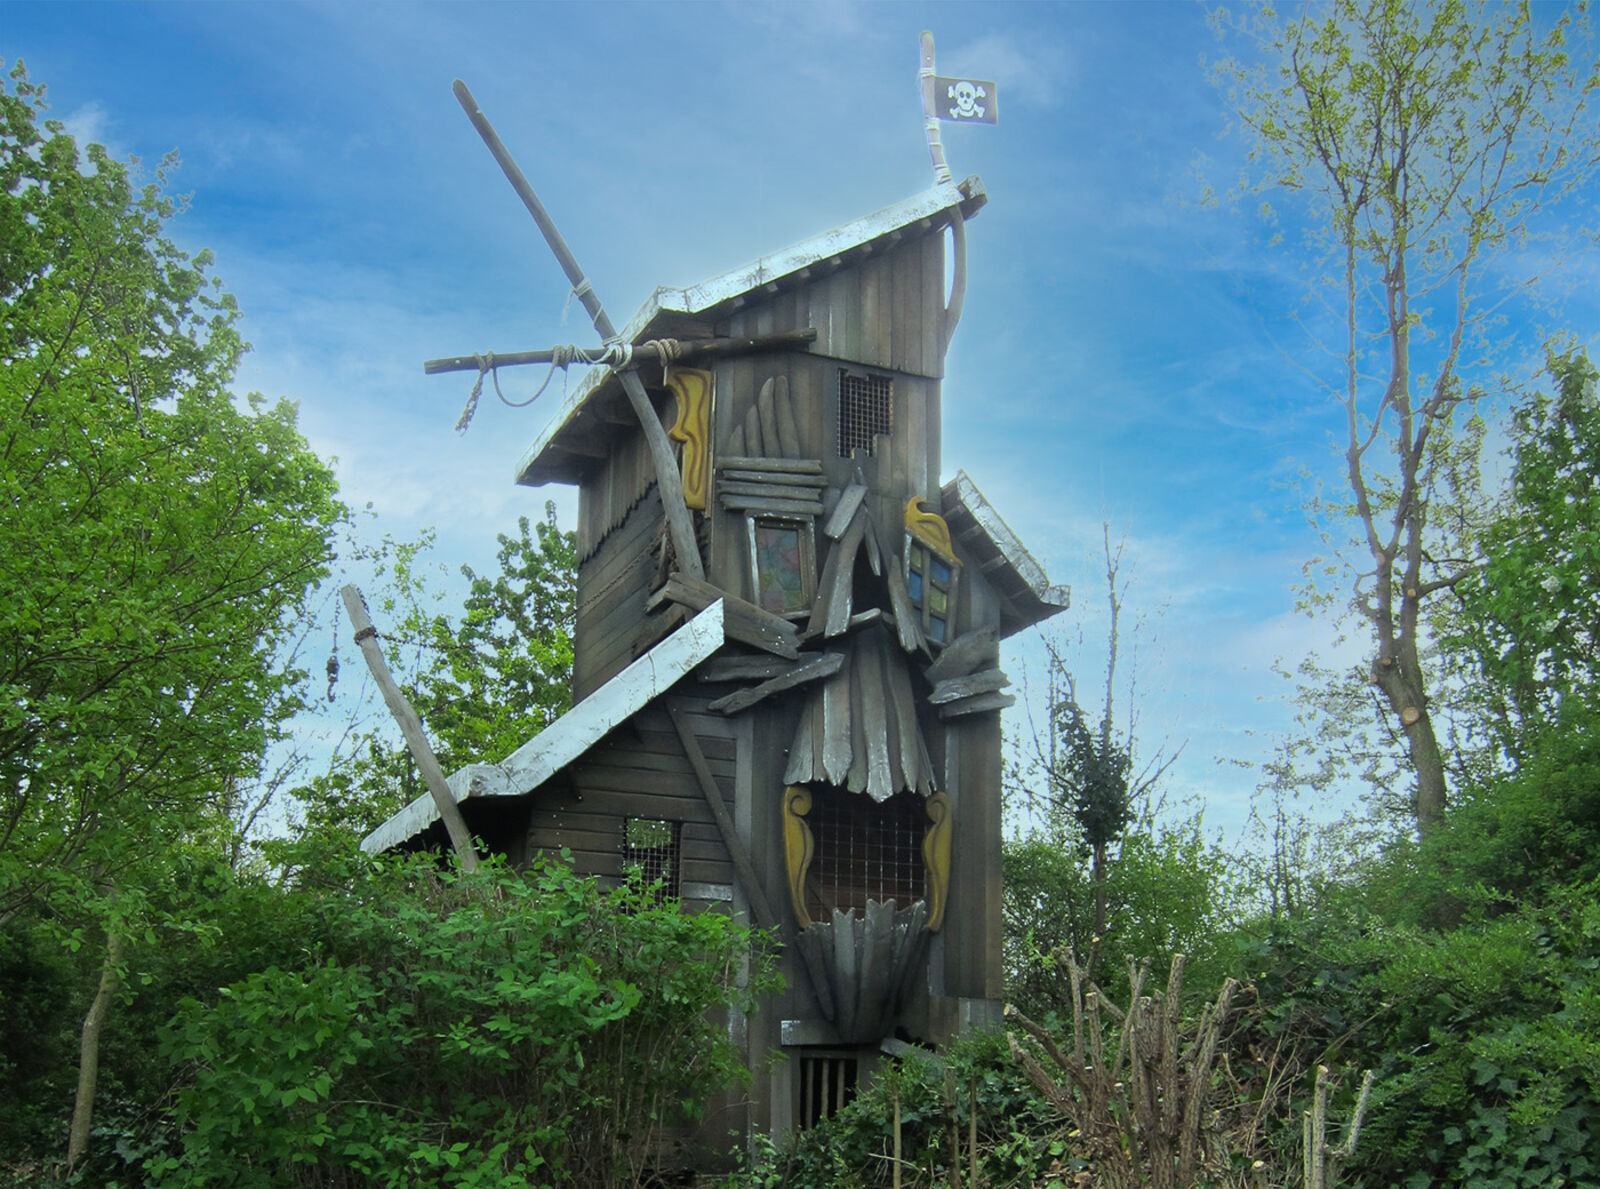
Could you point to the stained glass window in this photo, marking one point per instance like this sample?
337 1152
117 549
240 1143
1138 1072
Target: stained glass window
783 572
930 581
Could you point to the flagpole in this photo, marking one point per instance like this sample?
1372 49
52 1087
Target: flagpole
930 114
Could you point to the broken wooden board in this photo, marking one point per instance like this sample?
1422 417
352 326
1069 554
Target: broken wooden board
800 674
966 654
743 621
955 688
976 705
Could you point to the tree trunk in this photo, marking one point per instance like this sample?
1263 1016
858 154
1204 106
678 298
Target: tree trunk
89 1051
1410 705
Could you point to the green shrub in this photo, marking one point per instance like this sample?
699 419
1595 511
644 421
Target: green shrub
508 1029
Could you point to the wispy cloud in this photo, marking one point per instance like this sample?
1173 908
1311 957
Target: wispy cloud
1033 73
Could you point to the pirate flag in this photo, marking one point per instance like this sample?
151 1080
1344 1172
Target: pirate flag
965 101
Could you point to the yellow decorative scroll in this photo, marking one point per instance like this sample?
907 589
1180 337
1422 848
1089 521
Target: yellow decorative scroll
931 530
798 848
693 429
936 857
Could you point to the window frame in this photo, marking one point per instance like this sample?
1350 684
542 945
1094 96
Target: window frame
803 526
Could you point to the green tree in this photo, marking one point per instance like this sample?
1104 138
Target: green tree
504 672
1428 147
157 541
1529 615
482 685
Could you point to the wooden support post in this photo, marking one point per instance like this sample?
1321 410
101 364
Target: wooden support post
679 523
759 907
411 727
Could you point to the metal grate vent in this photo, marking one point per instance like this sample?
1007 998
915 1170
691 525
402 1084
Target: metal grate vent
864 851
866 409
827 1083
650 847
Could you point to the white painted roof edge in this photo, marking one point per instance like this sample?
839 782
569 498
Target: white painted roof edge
773 267
570 735
1012 549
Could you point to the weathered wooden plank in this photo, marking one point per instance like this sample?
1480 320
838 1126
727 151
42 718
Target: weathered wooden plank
763 503
745 462
857 777
753 890
903 705
788 432
802 674
444 800
966 654
873 348
752 431
850 286
743 621
830 614
770 442
637 798
743 668
976 705
774 478
953 689
836 727
804 488
874 716
874 550
907 620
802 750
849 500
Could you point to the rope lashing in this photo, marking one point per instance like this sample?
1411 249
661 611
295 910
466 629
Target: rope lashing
616 355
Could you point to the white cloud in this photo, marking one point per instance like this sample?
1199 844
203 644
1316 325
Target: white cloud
1035 73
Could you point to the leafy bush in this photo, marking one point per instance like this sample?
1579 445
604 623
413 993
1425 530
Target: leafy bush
1018 1139
508 1029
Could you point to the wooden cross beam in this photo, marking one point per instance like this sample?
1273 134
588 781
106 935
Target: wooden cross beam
679 524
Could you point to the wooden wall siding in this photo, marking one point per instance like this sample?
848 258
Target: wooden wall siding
639 770
886 310
612 587
613 488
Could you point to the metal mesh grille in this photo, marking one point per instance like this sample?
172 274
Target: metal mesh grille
866 408
827 1082
650 853
865 851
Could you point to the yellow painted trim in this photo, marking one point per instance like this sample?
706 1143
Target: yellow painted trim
936 857
798 848
931 530
693 429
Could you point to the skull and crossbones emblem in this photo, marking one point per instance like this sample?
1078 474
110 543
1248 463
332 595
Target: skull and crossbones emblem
966 95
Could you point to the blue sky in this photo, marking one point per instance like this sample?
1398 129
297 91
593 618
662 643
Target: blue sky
1126 354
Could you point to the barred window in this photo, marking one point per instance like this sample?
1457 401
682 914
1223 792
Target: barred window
827 1083
866 409
650 853
865 851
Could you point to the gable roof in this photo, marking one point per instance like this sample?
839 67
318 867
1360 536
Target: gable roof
670 312
1025 593
571 735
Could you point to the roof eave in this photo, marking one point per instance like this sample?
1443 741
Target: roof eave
1028 597
571 735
